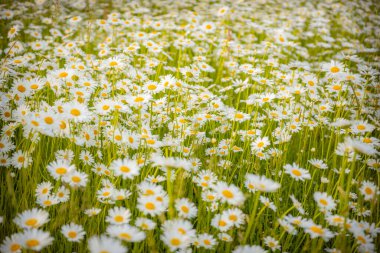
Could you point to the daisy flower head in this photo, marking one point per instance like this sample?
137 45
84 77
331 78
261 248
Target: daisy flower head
234 215
222 11
229 193
118 215
206 241
126 233
296 172
369 190
260 143
222 222
105 244
76 179
33 218
360 127
76 112
325 202
248 249
318 164
73 232
315 230
208 27
260 183
151 205
185 208
60 168
43 188
92 211
177 234
334 69
21 159
145 223
12 244
35 239
272 243
125 168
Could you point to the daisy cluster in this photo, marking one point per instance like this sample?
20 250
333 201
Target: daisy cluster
190 126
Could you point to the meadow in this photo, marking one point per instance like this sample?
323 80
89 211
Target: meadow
189 126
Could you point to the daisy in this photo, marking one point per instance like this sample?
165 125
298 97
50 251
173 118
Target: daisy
222 11
60 168
125 168
360 127
335 220
268 203
324 201
66 155
369 190
296 172
21 160
235 216
76 179
92 211
225 237
145 223
272 243
6 144
297 204
185 208
151 205
43 188
121 194
47 200
318 164
73 232
86 157
33 218
177 234
126 233
334 69
76 112
208 27
248 249
118 215
260 143
62 194
260 183
316 230
222 222
35 239
12 244
206 240
229 193
105 244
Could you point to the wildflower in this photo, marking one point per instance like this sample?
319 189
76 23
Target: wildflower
185 208
103 243
296 172
126 233
260 183
324 201
248 249
272 243
229 193
145 223
33 218
35 239
73 232
118 215
369 190
125 168
12 244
